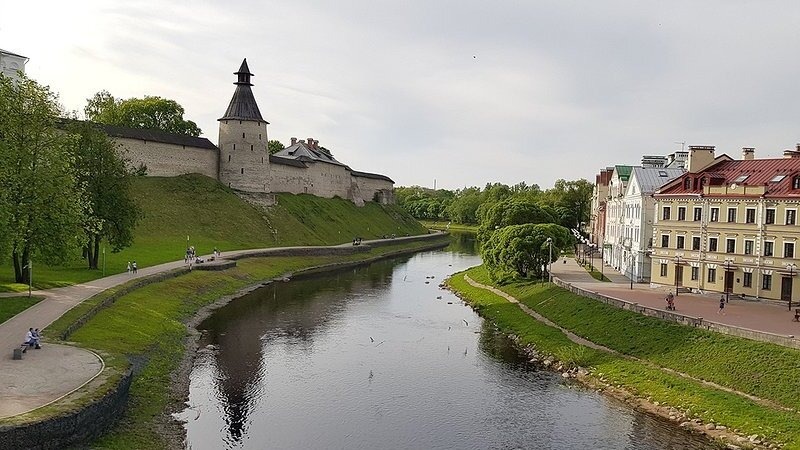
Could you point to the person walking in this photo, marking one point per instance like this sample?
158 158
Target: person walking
129 267
134 268
721 305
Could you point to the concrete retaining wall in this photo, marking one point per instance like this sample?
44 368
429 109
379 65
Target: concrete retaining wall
71 429
697 322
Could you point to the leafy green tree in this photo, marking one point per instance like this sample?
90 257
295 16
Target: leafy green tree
511 211
274 146
41 195
150 112
464 207
110 212
572 201
518 251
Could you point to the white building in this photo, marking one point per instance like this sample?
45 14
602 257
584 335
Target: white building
612 238
11 63
635 219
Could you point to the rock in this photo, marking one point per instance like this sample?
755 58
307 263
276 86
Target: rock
710 426
733 447
672 418
657 403
741 440
752 438
565 375
685 424
722 427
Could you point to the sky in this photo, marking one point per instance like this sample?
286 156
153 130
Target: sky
460 93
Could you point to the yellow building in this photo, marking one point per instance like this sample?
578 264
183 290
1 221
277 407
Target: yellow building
729 225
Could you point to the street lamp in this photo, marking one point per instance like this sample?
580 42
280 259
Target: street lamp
725 280
677 265
792 267
631 268
549 241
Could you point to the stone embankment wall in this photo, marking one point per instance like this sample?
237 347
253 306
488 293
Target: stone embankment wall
698 322
70 429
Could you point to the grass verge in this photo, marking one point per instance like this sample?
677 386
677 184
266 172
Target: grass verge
448 226
147 326
11 306
763 370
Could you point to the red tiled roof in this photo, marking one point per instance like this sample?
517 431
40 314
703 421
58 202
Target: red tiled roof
759 173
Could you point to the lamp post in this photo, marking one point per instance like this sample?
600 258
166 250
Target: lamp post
725 280
791 268
631 268
677 265
549 241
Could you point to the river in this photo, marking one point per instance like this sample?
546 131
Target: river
380 357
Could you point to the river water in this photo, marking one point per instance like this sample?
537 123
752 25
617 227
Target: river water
380 357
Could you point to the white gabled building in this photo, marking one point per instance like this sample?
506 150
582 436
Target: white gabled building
612 238
635 217
11 63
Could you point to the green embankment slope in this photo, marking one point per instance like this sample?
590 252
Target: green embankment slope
211 215
763 370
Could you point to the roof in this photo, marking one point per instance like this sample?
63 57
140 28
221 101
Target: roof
374 176
754 172
12 54
157 136
243 104
623 172
650 179
286 162
305 152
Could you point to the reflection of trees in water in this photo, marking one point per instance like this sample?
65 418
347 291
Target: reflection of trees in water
461 242
291 313
497 346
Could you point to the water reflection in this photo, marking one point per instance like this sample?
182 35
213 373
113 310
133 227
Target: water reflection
371 358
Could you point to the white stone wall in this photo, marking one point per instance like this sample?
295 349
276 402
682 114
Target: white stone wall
368 187
244 159
294 180
169 160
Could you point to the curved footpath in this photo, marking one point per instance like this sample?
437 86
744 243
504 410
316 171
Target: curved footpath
46 375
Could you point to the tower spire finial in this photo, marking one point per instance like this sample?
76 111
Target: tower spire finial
244 74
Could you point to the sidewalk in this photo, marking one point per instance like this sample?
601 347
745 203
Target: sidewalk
752 315
57 369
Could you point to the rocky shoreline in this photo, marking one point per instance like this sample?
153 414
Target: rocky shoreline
718 434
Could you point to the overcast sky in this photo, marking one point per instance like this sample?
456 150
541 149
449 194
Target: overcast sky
463 92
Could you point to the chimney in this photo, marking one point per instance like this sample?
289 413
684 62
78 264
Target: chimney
748 153
700 157
791 153
310 142
316 143
294 140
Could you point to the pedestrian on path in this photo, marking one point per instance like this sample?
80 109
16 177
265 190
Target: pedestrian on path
129 267
721 305
133 267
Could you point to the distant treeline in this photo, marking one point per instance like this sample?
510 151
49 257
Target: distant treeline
567 203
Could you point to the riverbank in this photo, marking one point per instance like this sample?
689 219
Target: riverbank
739 392
147 330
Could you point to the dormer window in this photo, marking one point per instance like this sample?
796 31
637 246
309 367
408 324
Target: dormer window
687 183
796 182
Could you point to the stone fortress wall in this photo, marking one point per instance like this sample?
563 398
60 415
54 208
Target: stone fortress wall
169 160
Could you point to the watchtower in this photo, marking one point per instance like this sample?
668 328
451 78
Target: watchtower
243 154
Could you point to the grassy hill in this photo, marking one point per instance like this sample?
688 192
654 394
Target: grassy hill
209 214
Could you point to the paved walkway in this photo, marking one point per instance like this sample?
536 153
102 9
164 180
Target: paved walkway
47 374
752 315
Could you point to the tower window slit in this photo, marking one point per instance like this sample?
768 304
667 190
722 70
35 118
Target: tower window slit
242 135
242 170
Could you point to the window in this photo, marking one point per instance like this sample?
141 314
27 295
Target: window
229 158
712 244
242 135
696 243
695 273
259 136
687 183
770 218
769 248
665 215
234 146
766 282
788 249
712 275
663 270
664 240
740 178
748 247
747 279
698 214
796 183
680 242
750 215
682 213
715 214
791 215
777 178
730 246
662 173
731 214
242 170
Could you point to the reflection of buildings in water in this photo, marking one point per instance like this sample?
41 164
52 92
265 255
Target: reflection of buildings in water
282 313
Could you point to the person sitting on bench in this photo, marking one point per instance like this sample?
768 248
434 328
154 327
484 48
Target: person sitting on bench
30 340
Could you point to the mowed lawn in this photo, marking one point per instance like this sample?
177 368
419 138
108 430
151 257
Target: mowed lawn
199 211
11 306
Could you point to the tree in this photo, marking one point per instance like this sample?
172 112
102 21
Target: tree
110 212
572 200
511 211
41 195
150 112
519 250
274 146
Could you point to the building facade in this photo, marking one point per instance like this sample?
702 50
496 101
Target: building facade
599 200
730 226
615 207
11 64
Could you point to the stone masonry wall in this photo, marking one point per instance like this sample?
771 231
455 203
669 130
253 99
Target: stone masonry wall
71 429
368 187
169 160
